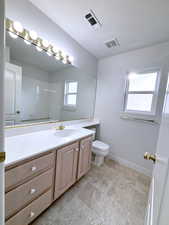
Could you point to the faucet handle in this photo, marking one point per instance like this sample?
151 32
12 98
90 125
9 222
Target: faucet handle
60 127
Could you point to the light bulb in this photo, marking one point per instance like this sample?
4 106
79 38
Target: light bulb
18 26
33 35
38 49
49 54
64 54
39 45
55 49
49 51
45 43
71 58
64 61
12 32
27 42
12 35
26 38
57 56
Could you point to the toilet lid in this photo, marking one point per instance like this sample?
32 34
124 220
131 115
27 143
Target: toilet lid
100 145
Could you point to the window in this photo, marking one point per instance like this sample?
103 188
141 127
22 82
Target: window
141 94
70 97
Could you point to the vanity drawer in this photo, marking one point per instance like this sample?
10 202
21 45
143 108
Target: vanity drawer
28 214
20 173
24 194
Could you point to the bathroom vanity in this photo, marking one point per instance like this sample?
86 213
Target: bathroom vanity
34 183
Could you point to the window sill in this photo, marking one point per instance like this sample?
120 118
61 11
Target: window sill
139 118
69 108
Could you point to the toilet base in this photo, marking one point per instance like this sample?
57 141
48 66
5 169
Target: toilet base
98 160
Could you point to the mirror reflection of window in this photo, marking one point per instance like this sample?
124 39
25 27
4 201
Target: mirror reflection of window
70 98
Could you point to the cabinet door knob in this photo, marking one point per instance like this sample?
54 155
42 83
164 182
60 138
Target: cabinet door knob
77 149
33 168
33 190
32 214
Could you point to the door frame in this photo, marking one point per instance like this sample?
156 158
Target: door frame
2 50
157 209
163 216
17 70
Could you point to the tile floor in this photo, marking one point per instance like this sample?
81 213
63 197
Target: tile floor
109 195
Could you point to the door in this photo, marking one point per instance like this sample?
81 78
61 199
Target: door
13 85
158 203
2 16
66 168
84 156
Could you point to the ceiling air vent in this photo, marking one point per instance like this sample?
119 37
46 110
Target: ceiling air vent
113 43
92 19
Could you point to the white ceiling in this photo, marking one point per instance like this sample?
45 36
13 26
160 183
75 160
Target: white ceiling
136 23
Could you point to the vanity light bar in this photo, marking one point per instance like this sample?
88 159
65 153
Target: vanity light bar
15 30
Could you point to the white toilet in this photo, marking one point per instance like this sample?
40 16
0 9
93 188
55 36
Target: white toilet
100 150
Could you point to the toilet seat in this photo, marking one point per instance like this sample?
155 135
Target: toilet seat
100 145
100 148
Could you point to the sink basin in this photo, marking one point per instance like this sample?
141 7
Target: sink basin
65 133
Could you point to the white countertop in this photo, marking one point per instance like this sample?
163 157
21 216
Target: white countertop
86 124
20 147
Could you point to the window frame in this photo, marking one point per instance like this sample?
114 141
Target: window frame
142 115
66 93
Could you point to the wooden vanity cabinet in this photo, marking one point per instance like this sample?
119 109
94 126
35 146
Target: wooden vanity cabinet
85 154
66 168
32 185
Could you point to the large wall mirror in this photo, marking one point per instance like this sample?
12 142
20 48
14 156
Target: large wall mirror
38 88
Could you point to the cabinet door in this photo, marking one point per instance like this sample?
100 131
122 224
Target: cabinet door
66 168
84 156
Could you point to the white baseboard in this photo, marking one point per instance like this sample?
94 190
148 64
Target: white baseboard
131 165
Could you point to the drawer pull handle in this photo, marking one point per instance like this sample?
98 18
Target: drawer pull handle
32 214
34 168
33 190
